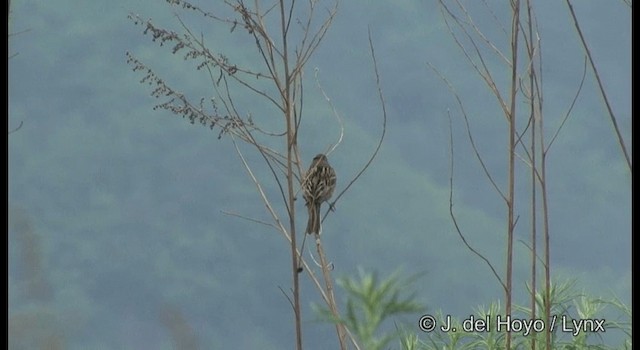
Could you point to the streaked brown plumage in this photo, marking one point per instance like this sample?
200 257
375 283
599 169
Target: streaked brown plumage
318 187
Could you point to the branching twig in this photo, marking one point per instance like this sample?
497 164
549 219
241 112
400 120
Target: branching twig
282 63
477 30
263 195
469 133
484 73
335 113
384 127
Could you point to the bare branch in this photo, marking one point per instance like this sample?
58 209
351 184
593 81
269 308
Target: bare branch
453 217
16 129
384 127
263 195
308 48
480 34
612 117
335 113
541 260
18 33
484 73
232 70
226 112
469 133
189 6
248 218
288 298
573 102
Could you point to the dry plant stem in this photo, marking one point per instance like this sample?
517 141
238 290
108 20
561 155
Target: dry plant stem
545 218
283 64
469 133
479 157
325 295
295 255
453 217
343 332
329 297
515 26
529 162
263 195
573 102
542 178
510 115
333 306
612 117
536 151
291 142
532 117
485 169
480 33
280 228
484 72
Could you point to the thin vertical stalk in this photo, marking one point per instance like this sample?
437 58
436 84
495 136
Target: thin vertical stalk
333 306
547 252
291 140
532 96
534 250
515 26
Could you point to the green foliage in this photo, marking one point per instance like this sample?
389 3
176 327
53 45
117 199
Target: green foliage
565 302
623 322
370 302
491 339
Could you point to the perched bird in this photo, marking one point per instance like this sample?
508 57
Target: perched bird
318 186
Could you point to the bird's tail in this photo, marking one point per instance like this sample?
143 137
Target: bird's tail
313 225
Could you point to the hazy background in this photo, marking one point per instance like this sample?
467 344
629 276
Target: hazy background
116 235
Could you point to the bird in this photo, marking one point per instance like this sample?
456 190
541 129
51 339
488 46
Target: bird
318 187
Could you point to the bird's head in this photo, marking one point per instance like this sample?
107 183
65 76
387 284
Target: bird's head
320 157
